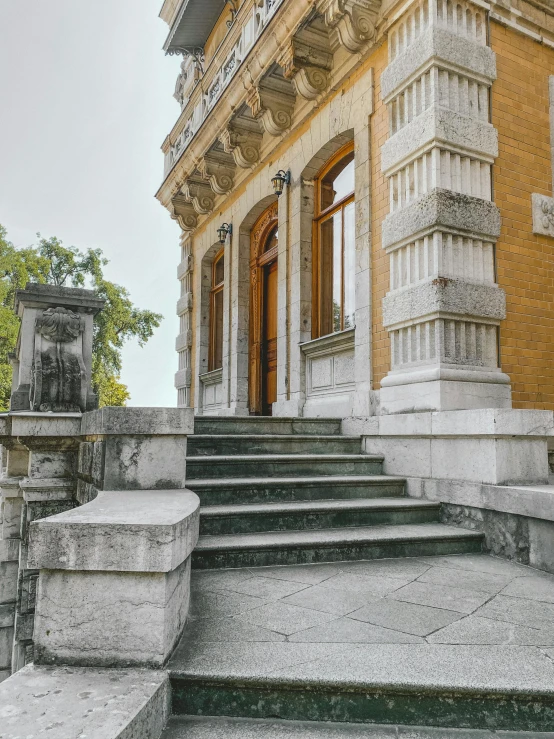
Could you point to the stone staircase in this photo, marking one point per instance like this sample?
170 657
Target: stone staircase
280 491
274 649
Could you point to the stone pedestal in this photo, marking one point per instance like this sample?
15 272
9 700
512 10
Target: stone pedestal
114 582
53 359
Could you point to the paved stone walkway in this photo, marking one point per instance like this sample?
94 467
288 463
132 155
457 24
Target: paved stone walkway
455 600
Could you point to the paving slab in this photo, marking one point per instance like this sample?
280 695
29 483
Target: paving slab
338 602
409 618
480 563
205 604
348 631
441 596
358 582
226 630
519 611
268 588
309 574
284 618
476 630
532 588
483 582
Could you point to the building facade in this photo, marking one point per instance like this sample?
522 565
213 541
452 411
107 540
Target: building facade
364 189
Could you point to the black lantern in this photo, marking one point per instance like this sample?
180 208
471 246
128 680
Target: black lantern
223 230
279 181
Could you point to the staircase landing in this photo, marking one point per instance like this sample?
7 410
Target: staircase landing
463 641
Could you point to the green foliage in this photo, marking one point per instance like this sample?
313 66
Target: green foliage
53 263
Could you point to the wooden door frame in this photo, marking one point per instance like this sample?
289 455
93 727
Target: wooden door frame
258 235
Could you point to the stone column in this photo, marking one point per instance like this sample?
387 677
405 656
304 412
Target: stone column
444 306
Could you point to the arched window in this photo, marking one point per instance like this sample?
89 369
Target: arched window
334 245
215 355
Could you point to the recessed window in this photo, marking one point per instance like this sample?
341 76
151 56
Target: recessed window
334 245
215 357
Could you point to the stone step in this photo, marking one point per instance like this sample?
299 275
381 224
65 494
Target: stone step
502 688
266 425
283 465
224 444
332 545
224 727
313 515
250 490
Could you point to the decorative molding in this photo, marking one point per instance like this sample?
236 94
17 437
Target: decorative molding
242 142
200 195
272 108
182 211
351 22
307 62
218 169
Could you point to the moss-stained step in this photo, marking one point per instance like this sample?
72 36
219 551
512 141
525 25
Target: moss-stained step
332 545
449 686
312 515
283 465
224 727
208 444
266 425
232 491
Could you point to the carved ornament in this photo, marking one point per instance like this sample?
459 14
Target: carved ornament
59 325
543 215
183 212
307 66
243 143
272 108
351 22
220 174
200 195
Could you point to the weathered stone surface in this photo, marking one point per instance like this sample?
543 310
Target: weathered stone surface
133 531
72 703
138 421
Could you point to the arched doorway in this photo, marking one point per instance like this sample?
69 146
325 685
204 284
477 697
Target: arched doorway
264 247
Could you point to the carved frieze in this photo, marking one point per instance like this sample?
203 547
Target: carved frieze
543 215
351 22
183 212
242 142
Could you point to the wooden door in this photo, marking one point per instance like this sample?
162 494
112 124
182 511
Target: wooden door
264 248
269 339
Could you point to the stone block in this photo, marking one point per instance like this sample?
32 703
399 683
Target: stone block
438 45
114 578
440 126
110 619
442 208
6 646
132 531
144 462
8 581
68 702
445 297
543 214
138 421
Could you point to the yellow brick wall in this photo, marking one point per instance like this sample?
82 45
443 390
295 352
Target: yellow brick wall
525 262
379 209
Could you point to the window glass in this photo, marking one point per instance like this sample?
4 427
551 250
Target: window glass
349 266
217 317
219 271
338 183
272 240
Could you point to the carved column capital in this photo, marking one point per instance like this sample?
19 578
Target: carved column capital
243 143
272 108
351 22
218 171
183 212
200 194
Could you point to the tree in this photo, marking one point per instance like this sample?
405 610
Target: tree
53 263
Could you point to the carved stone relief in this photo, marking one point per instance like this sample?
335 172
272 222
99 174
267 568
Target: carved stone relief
218 168
243 143
272 105
183 212
307 62
200 194
351 22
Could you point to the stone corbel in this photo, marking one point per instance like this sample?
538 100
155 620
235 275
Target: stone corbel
272 108
200 194
243 143
351 22
218 171
307 66
183 212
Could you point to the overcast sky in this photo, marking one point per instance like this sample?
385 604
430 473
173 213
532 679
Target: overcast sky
86 101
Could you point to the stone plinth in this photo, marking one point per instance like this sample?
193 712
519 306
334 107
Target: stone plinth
133 449
114 581
53 359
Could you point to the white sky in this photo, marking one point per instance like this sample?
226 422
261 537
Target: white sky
85 103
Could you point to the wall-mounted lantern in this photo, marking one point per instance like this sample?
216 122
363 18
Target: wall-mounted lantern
224 230
279 181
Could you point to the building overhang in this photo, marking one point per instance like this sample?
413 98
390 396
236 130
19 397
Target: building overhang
193 24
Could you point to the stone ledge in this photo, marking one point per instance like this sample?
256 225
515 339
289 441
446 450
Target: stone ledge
29 424
138 421
73 702
439 126
132 531
444 297
438 46
442 208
